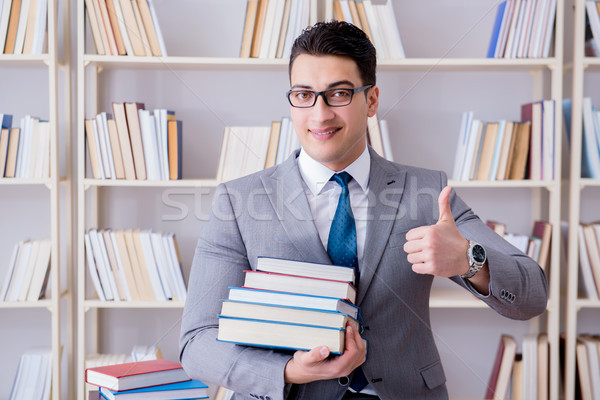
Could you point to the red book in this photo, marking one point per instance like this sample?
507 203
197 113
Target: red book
136 375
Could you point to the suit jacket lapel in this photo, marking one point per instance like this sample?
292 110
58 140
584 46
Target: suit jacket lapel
285 190
386 185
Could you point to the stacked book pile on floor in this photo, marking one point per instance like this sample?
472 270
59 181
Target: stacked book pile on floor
28 271
502 150
249 149
134 265
24 149
520 375
149 380
136 144
125 27
23 26
536 245
523 29
34 376
589 259
291 305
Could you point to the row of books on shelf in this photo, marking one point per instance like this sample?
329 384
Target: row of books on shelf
520 375
134 265
587 357
249 149
589 259
28 271
504 150
536 245
523 29
33 379
24 150
593 22
291 305
157 379
377 20
23 26
136 144
125 27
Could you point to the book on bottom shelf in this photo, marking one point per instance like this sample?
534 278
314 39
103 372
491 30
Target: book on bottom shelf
136 375
192 389
272 334
499 382
34 375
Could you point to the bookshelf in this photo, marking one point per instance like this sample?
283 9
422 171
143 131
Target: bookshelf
32 85
195 79
581 312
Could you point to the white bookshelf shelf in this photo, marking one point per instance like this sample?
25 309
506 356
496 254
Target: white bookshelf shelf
210 183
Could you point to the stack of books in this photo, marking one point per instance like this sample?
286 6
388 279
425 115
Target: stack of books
125 27
589 259
28 271
149 380
378 20
505 149
135 144
291 305
23 26
536 245
134 265
523 29
34 376
24 150
249 149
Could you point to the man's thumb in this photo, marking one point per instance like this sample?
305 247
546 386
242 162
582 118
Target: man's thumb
444 205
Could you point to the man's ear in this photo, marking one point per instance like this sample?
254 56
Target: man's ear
372 101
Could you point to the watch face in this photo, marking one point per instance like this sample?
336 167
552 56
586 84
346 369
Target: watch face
478 253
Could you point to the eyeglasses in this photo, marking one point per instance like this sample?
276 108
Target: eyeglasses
332 97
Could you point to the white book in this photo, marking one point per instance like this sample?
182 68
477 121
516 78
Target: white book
151 267
535 151
113 243
236 153
162 134
33 153
470 156
41 270
41 18
10 271
22 168
96 133
346 11
538 25
268 29
4 17
387 18
518 28
504 29
385 138
527 24
162 264
586 277
161 40
20 270
109 268
258 143
43 165
548 139
592 348
294 24
461 143
591 145
274 40
376 30
512 28
103 267
169 241
21 28
123 28
529 350
284 133
307 269
548 29
93 268
105 147
35 247
149 141
521 242
497 150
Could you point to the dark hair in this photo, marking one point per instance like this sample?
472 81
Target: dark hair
338 38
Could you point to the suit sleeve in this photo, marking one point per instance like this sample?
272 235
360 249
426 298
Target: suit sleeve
219 261
518 286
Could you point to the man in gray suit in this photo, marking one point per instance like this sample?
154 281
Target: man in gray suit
410 227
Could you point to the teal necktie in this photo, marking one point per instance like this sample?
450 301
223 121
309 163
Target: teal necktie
341 247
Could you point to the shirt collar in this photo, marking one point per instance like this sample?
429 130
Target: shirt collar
316 175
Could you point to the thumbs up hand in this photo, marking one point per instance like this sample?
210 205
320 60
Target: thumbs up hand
438 249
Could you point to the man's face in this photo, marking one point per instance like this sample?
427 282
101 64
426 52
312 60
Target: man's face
334 136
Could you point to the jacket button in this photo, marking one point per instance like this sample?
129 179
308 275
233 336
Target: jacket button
343 380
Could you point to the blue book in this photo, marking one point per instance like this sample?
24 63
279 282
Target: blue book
193 389
496 30
6 121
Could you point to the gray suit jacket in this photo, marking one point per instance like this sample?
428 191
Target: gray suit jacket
267 214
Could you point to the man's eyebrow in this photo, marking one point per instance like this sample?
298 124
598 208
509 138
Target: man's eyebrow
343 82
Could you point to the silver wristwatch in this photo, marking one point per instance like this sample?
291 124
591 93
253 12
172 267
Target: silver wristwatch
477 257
